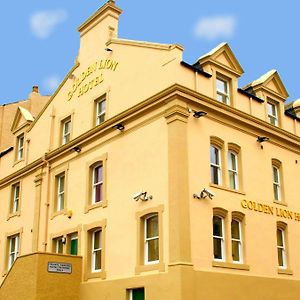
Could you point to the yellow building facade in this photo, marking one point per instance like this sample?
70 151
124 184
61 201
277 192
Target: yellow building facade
144 177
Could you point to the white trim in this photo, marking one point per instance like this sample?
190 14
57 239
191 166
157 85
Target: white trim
282 249
20 143
240 243
60 205
276 184
233 171
225 94
66 131
146 241
100 113
95 250
95 184
13 253
222 238
216 165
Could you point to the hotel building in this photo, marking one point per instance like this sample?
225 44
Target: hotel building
145 177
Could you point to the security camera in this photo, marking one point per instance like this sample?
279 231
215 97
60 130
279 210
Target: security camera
206 193
137 195
141 196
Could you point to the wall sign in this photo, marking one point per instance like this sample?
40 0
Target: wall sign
82 85
270 210
56 267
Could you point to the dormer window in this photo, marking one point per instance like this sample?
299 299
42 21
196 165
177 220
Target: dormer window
223 93
20 147
272 113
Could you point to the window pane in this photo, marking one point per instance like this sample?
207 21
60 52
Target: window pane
276 192
97 239
214 172
217 248
232 180
153 250
59 246
280 257
61 184
138 294
98 193
217 227
97 260
74 247
214 155
221 86
275 175
235 251
152 227
235 229
98 176
12 244
279 238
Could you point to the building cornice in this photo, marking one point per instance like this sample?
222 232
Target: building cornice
217 111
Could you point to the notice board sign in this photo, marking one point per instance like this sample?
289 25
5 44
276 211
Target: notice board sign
57 267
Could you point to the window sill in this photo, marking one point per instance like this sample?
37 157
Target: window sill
93 206
280 202
91 275
227 265
12 215
221 187
285 271
145 268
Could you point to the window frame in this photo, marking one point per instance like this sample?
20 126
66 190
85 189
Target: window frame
95 251
224 94
276 184
239 241
15 208
270 115
221 238
148 239
89 229
99 113
91 165
64 140
16 250
60 195
20 147
213 165
141 216
96 184
234 172
281 248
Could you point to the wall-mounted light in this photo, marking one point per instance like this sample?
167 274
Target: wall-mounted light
203 194
108 49
119 126
197 114
262 139
142 196
77 149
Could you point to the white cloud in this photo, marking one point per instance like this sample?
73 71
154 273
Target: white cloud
51 83
215 27
43 23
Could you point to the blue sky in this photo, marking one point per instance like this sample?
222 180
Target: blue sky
39 39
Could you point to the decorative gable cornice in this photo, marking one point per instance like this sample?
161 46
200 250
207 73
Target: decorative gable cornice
22 118
223 57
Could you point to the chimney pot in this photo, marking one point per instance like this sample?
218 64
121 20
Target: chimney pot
35 89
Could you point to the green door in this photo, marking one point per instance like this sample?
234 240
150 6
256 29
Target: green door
138 294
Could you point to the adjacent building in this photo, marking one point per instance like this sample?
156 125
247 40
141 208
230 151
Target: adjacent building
145 177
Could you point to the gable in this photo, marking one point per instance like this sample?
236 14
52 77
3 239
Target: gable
22 118
222 56
270 81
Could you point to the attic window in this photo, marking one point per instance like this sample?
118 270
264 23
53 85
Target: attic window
223 92
272 113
